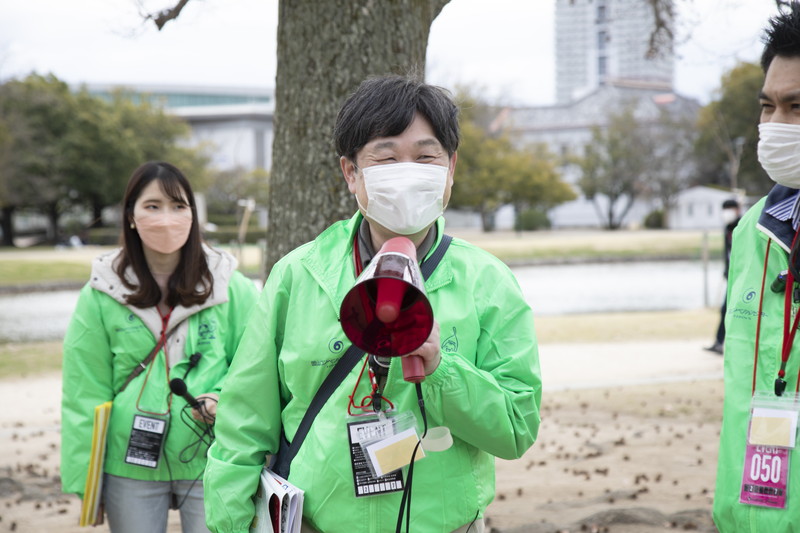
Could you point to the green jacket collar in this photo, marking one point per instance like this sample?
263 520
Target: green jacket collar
330 259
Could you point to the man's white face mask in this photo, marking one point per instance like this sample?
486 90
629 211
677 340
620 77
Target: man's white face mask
779 152
729 215
404 198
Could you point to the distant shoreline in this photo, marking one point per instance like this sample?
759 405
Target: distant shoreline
50 286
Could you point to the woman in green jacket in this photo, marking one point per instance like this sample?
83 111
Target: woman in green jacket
164 307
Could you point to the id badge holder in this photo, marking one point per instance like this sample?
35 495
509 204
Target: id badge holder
380 446
771 437
146 440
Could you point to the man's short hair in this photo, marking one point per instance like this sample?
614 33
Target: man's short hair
782 35
385 106
730 204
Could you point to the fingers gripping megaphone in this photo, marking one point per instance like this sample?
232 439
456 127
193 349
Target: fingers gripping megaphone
387 313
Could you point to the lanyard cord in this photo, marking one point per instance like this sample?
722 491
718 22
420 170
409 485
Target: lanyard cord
374 399
789 326
357 256
758 321
788 331
162 343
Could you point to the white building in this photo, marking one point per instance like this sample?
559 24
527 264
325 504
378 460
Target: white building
606 41
602 67
235 125
700 208
567 128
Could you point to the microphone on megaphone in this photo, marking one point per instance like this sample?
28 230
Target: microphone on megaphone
387 313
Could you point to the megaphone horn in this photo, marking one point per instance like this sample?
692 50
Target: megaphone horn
387 313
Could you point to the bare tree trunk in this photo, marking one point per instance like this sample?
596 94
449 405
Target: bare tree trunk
625 210
7 225
97 214
487 219
611 222
53 216
325 49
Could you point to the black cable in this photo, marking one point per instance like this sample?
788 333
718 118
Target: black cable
405 502
173 501
207 431
473 521
193 360
204 431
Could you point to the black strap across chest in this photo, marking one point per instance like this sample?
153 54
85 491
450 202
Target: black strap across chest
337 374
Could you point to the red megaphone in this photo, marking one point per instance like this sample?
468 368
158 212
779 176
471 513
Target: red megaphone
387 313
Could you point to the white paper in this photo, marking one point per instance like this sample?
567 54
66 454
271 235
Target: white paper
290 508
780 413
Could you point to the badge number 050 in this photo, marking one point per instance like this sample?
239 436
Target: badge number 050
766 473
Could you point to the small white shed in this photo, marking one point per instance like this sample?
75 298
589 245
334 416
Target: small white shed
700 208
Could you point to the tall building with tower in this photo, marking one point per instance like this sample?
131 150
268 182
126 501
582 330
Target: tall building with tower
602 69
602 42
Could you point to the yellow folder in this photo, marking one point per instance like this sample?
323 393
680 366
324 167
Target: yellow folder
91 508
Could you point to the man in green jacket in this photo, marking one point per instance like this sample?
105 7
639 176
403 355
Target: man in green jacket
397 139
758 485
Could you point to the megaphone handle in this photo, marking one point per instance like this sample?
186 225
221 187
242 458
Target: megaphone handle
413 368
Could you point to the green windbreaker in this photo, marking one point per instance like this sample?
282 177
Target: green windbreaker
106 339
744 297
486 390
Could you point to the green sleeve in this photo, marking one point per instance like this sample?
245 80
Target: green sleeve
248 418
494 403
242 298
87 382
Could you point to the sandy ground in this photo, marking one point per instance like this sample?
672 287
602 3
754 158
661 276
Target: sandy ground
628 444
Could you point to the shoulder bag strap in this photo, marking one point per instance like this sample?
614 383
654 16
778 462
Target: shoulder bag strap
337 374
138 369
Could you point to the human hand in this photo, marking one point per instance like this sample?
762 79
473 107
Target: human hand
429 351
207 412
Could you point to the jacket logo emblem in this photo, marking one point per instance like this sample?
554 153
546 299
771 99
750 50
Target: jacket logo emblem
749 295
335 346
206 330
450 344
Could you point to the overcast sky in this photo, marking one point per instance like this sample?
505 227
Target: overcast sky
504 47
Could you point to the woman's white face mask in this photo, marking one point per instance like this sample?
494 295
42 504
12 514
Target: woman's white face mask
779 152
404 198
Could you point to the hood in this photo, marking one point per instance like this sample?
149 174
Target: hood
105 279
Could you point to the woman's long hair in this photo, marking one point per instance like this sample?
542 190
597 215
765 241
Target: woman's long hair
191 282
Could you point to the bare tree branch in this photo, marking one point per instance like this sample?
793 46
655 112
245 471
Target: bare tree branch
165 15
663 34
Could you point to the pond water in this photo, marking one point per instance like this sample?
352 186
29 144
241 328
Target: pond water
550 290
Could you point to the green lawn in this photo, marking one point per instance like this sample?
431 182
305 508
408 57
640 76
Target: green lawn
46 265
27 358
25 272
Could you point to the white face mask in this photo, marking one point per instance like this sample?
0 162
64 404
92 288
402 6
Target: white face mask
779 152
404 198
729 215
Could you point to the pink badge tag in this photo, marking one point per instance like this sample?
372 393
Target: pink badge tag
765 476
